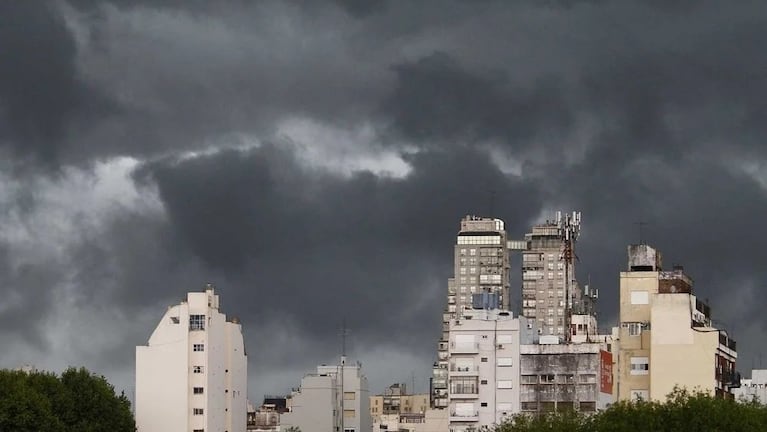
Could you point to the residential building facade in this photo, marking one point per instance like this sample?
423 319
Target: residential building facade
483 371
192 374
396 400
754 388
557 377
335 398
666 336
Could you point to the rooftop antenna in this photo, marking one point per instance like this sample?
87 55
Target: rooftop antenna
569 227
641 225
344 333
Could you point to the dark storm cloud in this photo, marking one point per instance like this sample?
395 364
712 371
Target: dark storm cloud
435 98
40 90
318 247
628 111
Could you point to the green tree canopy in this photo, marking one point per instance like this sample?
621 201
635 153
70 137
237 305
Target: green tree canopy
75 401
683 411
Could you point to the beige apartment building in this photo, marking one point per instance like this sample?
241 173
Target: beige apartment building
396 400
666 336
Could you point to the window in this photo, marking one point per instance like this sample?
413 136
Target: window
504 384
196 322
350 396
463 385
504 361
635 328
349 413
198 390
174 320
198 430
529 379
472 252
483 404
198 347
483 382
640 366
198 411
197 369
483 359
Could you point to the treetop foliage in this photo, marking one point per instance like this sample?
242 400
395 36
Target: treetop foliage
683 411
75 401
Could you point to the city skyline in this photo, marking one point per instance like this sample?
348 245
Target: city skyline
313 161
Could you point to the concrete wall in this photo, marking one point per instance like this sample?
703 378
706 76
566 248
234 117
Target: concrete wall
680 356
313 406
634 346
162 391
753 388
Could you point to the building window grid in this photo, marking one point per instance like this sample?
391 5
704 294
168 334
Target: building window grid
196 322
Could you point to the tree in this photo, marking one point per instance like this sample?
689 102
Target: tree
682 411
76 401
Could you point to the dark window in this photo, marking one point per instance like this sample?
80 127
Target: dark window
198 390
196 322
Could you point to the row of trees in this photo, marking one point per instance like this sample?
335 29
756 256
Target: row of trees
75 401
683 411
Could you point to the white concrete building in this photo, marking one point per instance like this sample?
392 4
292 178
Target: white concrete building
483 372
330 401
753 388
192 375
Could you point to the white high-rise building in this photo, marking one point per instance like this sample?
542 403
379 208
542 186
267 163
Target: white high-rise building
192 375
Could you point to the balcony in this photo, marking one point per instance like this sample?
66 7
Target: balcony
463 370
464 416
464 391
464 348
454 395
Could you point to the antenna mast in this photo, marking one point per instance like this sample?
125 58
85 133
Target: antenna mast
569 228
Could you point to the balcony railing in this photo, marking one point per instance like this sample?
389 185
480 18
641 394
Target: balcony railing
472 347
464 368
464 416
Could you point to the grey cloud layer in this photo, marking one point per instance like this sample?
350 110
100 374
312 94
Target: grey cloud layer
625 110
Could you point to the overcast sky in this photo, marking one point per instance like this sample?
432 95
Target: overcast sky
313 160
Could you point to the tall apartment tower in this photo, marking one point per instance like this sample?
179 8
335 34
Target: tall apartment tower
192 375
481 263
550 292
